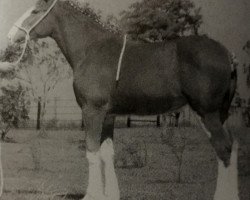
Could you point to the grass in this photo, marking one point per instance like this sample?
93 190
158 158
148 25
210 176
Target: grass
56 168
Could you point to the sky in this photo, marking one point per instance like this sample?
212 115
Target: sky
227 21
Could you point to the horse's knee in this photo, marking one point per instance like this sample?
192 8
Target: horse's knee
93 120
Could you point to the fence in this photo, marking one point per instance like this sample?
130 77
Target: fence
66 114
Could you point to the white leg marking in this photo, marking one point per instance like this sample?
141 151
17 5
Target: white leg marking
227 180
95 184
13 31
111 183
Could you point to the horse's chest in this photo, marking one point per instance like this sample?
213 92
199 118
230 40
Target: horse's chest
91 90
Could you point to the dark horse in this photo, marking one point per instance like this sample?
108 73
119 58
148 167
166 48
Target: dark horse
155 78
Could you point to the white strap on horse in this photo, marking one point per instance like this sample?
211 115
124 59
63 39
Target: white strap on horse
121 57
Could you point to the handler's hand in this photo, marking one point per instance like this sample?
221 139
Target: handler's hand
6 66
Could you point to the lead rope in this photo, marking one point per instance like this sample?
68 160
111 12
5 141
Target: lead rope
120 60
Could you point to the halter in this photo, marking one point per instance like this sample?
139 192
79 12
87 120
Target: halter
27 31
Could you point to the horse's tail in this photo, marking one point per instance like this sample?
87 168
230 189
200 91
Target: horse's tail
228 98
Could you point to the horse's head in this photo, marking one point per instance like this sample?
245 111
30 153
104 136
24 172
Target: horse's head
37 22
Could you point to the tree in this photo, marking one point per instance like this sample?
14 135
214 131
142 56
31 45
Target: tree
246 71
44 68
14 99
246 67
41 69
14 107
161 20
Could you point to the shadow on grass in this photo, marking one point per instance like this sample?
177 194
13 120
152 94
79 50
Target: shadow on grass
68 196
72 196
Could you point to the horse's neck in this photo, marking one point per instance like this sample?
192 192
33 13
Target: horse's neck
73 37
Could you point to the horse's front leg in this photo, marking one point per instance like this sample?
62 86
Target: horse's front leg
93 120
111 189
100 155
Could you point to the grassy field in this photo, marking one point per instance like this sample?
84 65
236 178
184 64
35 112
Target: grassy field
147 165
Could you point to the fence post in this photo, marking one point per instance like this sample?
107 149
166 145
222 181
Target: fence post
158 121
38 121
82 125
129 122
55 110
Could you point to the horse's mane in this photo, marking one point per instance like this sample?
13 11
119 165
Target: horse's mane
85 9
80 9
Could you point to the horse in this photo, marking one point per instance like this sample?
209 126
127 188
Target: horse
154 78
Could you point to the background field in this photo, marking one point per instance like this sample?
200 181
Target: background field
39 169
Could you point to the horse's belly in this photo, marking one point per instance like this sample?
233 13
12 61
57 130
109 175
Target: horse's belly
146 105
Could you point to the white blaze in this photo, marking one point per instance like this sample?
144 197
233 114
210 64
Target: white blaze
13 31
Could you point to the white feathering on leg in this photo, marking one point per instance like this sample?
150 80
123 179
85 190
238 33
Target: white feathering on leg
227 180
111 183
95 184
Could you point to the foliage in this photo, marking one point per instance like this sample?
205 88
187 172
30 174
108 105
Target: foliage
246 67
14 99
14 107
246 71
9 55
132 155
161 20
43 69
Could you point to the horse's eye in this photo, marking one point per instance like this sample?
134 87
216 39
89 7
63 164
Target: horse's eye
34 11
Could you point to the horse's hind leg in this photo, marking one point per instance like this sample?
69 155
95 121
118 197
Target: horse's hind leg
111 189
226 150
